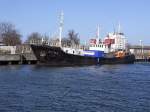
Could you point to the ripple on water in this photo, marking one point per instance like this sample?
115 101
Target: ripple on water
107 88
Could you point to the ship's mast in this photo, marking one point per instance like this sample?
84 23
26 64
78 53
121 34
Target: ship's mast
61 23
97 34
114 30
119 27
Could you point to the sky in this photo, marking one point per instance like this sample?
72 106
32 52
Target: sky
83 16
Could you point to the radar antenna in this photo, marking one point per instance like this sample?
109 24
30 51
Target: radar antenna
61 23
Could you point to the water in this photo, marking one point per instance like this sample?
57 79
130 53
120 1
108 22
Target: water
107 88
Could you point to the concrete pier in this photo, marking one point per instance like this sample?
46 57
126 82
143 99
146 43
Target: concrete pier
11 59
142 53
142 60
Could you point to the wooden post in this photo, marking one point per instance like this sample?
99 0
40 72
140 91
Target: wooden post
29 62
9 62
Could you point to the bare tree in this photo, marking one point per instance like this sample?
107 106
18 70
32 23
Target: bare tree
11 38
71 40
34 38
5 27
9 35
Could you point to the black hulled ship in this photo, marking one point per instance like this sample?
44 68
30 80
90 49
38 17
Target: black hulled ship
111 50
55 56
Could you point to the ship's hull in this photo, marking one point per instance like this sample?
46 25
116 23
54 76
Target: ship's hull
54 56
149 59
128 59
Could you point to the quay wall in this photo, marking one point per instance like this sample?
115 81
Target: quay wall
29 56
10 57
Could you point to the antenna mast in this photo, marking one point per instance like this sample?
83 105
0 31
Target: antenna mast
61 23
119 28
98 31
97 35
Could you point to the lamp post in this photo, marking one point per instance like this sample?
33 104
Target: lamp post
61 27
141 44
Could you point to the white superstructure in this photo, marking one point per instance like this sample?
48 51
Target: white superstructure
99 47
111 43
119 41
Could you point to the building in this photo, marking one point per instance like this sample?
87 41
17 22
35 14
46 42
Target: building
7 49
140 52
23 48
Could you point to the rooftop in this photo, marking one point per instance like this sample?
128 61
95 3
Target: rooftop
139 47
